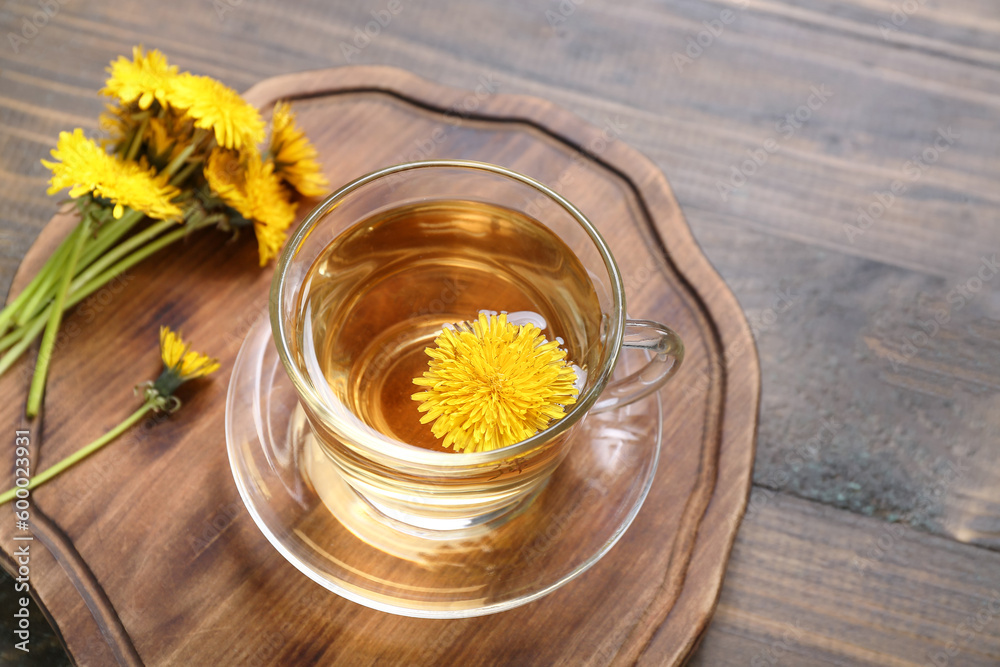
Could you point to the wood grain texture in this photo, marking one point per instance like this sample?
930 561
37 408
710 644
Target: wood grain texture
831 588
914 442
177 600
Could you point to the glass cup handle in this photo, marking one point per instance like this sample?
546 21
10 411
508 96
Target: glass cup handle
668 353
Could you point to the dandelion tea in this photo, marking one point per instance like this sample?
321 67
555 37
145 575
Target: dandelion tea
381 292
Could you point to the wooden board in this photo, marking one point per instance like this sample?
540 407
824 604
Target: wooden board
151 557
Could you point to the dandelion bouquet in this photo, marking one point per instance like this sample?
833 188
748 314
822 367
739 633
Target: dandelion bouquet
182 153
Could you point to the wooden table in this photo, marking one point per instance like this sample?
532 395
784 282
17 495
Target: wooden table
838 163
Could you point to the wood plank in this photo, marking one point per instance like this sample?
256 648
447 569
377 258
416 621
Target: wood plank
812 585
696 123
862 409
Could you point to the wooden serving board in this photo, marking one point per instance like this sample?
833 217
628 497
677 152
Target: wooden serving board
144 554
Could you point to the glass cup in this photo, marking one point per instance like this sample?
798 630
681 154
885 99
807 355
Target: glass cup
418 490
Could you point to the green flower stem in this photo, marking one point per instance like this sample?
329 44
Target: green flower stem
11 338
42 286
17 334
81 454
107 235
28 293
52 328
183 174
133 259
79 292
120 251
14 307
11 309
134 136
133 149
46 280
30 333
176 163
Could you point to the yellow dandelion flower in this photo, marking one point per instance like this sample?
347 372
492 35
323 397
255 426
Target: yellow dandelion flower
294 156
495 385
269 207
115 123
269 241
248 184
224 173
82 166
164 140
144 78
180 364
180 361
158 137
214 106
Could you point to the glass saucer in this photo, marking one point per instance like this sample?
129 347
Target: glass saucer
329 533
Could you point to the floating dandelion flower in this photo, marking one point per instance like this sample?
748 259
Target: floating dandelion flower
495 385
